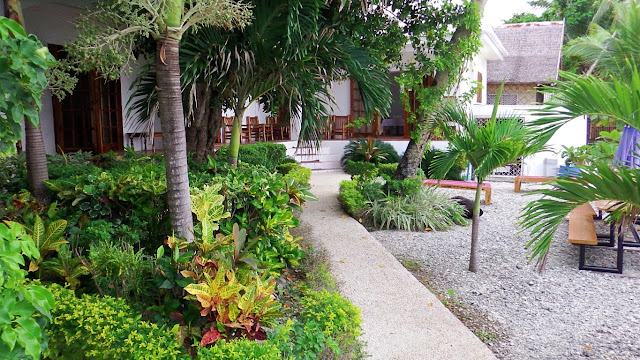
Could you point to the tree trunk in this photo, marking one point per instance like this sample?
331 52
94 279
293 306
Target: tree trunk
174 137
37 171
204 125
234 145
413 155
475 223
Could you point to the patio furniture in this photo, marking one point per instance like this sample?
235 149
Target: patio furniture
227 127
464 185
254 127
582 232
534 179
339 126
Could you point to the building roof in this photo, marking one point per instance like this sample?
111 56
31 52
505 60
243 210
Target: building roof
534 53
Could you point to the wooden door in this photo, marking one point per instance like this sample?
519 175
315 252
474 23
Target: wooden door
357 111
90 118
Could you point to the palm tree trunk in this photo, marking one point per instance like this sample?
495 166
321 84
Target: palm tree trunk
475 223
37 171
174 137
234 145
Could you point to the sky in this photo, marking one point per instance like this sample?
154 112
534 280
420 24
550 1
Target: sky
496 11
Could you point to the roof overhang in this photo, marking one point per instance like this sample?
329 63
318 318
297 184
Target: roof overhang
492 48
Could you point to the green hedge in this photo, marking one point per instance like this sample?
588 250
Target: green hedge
351 198
269 155
296 171
94 327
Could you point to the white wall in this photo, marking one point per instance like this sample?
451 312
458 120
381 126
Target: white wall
341 91
573 133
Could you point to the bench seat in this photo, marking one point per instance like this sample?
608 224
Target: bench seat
582 232
464 185
538 179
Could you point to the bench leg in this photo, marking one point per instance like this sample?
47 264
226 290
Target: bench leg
487 196
616 270
516 185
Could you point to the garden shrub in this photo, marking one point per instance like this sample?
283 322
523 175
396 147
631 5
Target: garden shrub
269 155
405 187
369 150
241 349
295 171
332 315
366 170
428 209
24 307
94 327
351 198
387 169
120 271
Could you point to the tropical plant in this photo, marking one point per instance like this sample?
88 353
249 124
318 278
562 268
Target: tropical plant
615 97
24 307
70 268
600 181
107 35
369 150
23 66
497 142
608 50
428 209
46 238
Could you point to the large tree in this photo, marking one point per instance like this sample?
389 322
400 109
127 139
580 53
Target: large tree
444 37
108 35
287 57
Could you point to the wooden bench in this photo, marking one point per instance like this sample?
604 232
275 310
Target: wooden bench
464 185
582 232
538 179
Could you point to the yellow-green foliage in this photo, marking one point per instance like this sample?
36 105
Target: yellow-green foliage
92 327
338 317
387 169
241 350
295 171
351 198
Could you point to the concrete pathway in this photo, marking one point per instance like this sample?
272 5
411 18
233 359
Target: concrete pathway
401 319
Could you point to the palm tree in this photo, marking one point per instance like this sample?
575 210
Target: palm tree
106 41
287 57
37 171
615 96
488 146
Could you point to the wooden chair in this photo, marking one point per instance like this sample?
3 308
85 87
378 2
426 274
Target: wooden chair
326 122
227 127
270 126
340 126
254 129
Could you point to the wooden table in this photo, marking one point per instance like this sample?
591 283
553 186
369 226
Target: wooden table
464 185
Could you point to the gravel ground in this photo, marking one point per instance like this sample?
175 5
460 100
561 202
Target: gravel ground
562 314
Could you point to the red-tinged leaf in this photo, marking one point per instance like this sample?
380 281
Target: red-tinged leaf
177 317
205 311
210 337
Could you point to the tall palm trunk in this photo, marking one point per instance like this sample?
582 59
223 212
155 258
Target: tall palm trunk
475 224
173 136
37 171
234 145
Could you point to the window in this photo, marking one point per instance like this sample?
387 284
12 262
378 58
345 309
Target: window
507 99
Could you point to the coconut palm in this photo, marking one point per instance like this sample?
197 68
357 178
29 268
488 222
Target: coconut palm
608 50
497 142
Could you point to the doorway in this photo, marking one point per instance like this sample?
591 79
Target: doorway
90 118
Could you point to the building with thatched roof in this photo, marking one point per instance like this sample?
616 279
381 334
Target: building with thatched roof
534 59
